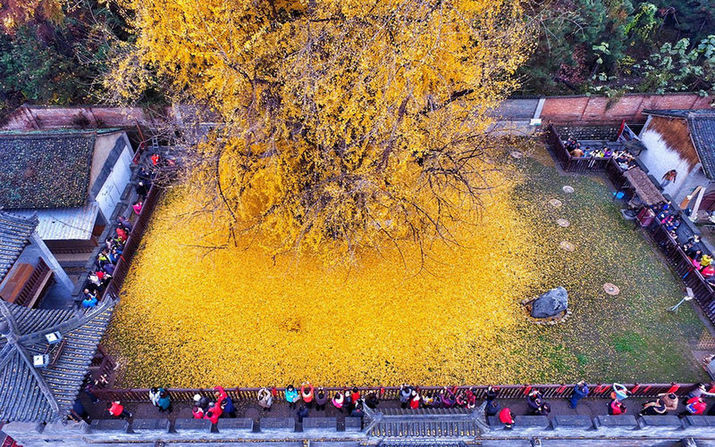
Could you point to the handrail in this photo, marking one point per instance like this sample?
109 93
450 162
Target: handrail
549 391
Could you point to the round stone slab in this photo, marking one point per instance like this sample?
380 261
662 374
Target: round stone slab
568 246
516 154
555 203
611 289
563 222
568 189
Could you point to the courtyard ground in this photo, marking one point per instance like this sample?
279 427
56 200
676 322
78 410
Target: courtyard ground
194 317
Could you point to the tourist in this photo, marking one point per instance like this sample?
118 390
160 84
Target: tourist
163 401
321 398
670 400
137 207
491 408
142 190
448 397
371 400
428 400
116 410
535 401
358 411
197 412
415 400
90 300
306 393
108 268
577 153
348 401
706 260
580 390
302 413
695 406
544 409
228 408
154 396
699 390
121 234
460 399
654 408
338 401
216 410
404 395
471 398
265 399
616 407
491 393
202 401
355 395
291 396
506 417
124 222
669 177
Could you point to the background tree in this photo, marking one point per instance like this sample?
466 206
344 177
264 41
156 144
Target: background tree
344 123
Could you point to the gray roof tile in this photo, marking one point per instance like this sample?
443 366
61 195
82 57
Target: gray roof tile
28 394
15 233
45 169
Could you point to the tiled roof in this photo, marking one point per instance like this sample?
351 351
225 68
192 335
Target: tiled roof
30 394
645 188
64 223
14 236
45 169
701 124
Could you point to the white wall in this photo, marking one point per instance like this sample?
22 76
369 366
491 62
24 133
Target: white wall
111 191
660 158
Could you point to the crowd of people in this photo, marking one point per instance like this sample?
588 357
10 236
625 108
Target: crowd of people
625 159
99 277
352 402
698 255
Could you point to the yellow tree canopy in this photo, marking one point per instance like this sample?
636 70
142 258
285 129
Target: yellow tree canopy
344 122
14 13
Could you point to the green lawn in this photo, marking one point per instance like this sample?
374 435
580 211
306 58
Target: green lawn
628 337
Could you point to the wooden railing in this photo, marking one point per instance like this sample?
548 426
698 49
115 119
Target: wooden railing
677 259
576 164
135 237
683 267
550 391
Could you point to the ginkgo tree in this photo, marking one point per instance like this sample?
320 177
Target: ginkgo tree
343 123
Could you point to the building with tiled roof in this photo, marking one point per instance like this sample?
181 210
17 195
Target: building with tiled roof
71 180
683 142
28 270
44 358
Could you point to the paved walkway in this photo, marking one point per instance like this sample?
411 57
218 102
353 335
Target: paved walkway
250 409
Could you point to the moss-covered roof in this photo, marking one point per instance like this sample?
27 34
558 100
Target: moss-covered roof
45 169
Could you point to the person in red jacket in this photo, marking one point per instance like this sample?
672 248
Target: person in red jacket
216 410
355 395
695 406
122 234
306 392
415 400
506 417
116 409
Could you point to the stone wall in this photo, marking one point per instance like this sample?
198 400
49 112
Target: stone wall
652 428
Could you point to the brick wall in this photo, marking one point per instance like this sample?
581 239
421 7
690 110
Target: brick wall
565 109
36 117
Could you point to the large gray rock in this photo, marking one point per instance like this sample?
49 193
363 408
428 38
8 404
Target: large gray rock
550 303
